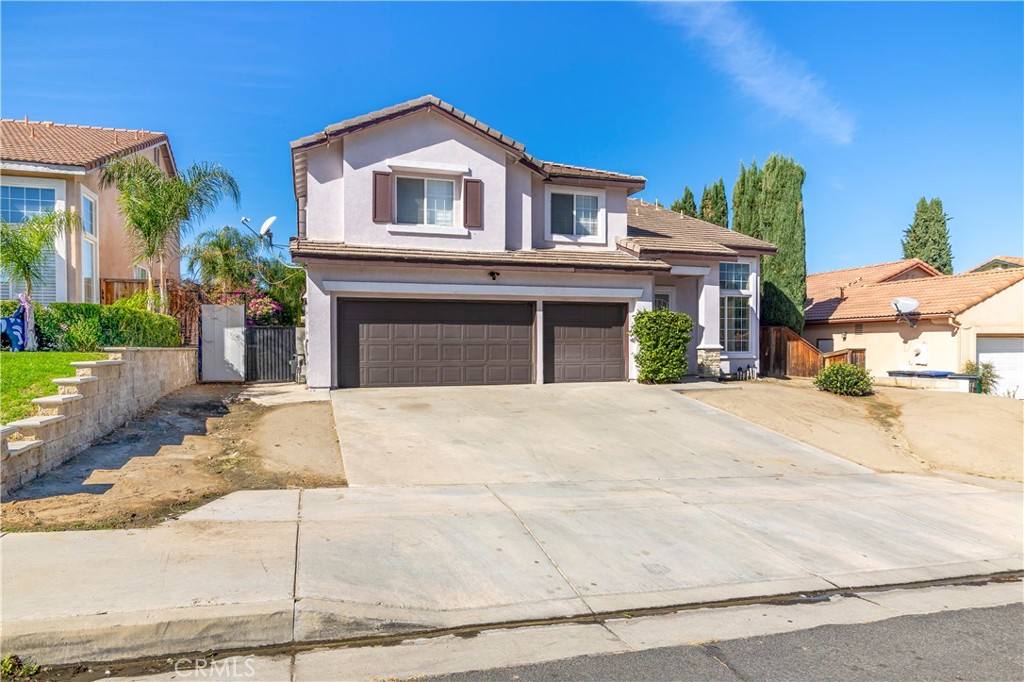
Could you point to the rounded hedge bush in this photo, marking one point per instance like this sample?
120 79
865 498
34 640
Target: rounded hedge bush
88 326
842 378
663 336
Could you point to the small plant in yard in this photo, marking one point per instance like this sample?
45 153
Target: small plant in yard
842 378
663 336
987 372
13 667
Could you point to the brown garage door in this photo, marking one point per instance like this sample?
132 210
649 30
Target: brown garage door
434 343
584 342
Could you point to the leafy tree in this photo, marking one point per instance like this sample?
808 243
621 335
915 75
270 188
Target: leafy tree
286 286
227 258
768 205
158 209
686 205
24 246
927 237
714 207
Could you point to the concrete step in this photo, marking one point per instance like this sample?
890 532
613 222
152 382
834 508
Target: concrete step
36 421
6 430
17 447
55 400
73 381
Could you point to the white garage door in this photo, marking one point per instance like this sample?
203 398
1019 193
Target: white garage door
1007 354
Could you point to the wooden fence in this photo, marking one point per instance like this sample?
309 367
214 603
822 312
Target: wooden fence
784 353
182 302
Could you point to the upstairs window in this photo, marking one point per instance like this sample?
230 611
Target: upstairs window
422 201
735 276
574 214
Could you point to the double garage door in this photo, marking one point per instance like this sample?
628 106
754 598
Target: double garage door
450 343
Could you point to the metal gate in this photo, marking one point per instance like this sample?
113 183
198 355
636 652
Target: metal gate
270 354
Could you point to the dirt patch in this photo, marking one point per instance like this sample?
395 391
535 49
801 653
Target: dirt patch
894 430
192 447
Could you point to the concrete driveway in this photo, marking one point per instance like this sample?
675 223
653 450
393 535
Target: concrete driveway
476 506
556 432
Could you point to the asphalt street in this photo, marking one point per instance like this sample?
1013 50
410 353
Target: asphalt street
971 644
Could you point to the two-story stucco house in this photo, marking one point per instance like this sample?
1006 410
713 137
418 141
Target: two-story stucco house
438 251
53 166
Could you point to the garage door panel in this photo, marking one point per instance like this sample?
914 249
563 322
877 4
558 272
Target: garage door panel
423 343
1006 353
584 342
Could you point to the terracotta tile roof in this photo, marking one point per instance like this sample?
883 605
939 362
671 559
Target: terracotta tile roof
70 145
1010 260
305 249
826 285
936 295
659 230
430 101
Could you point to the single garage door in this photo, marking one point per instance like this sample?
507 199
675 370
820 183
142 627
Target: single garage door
434 343
584 342
1007 354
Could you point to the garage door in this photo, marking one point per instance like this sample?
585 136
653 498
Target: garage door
584 342
1007 354
432 343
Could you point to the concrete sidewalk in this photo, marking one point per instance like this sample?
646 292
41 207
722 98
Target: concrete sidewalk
274 567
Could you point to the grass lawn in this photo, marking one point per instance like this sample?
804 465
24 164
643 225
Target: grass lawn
24 376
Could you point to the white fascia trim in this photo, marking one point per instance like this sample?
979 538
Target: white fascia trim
690 271
427 167
41 168
516 291
430 230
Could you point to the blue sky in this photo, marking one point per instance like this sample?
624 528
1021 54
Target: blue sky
882 103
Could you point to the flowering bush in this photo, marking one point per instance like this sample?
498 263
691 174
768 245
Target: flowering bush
260 309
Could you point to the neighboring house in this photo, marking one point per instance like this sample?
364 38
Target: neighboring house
978 316
53 166
1000 263
439 252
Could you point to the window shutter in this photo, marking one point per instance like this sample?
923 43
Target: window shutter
381 197
473 200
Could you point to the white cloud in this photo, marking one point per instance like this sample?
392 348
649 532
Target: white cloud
762 71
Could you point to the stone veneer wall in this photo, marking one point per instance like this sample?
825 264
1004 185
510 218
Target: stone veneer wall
104 395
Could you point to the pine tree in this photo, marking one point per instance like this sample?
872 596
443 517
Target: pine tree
767 203
686 205
927 237
714 207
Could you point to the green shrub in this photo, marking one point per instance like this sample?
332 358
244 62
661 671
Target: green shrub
138 301
87 326
842 378
987 372
663 336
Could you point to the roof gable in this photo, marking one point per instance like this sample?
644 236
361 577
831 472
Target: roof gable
1000 262
654 229
77 146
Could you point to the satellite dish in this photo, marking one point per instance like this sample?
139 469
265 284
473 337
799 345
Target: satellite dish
265 227
904 304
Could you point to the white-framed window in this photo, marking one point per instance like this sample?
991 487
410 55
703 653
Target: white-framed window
734 276
734 323
140 272
664 298
90 248
20 199
424 201
576 215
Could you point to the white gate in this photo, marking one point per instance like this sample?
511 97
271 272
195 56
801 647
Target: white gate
223 339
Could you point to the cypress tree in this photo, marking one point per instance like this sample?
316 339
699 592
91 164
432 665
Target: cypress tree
780 209
714 207
686 205
927 237
745 216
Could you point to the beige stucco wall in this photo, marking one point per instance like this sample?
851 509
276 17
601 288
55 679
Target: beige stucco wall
938 345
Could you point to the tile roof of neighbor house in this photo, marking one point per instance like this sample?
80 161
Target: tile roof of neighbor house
654 229
305 249
555 170
867 296
1011 261
61 144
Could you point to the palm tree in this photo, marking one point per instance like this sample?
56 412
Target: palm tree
158 209
226 258
24 246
